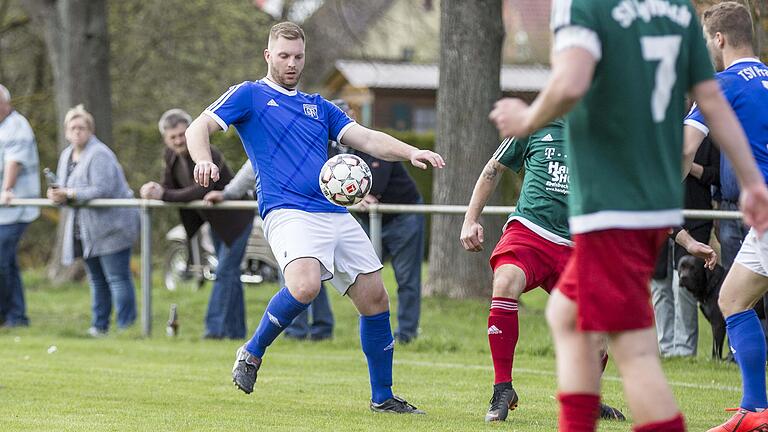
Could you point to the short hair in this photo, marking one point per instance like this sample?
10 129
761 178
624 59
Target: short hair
731 19
5 95
288 30
172 118
80 112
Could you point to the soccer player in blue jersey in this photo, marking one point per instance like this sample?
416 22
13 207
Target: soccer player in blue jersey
744 80
285 134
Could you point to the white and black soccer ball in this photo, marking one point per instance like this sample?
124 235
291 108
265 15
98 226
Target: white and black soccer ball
345 179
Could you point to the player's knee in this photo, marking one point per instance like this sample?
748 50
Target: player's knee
508 282
305 290
379 299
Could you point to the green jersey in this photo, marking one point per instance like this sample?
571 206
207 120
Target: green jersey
624 137
543 203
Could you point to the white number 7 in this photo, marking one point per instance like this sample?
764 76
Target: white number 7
665 50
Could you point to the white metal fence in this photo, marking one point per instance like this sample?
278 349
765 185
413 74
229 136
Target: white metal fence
375 212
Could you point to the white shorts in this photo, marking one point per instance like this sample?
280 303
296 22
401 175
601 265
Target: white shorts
334 239
754 253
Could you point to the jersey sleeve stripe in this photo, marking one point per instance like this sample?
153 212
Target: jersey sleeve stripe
502 148
223 98
561 14
344 130
213 115
697 124
578 37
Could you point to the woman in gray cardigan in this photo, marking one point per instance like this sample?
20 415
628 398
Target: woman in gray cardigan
103 237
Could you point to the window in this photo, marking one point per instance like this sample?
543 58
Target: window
424 119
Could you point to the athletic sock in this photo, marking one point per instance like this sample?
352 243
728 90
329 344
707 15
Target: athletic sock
747 340
503 332
676 424
378 347
281 311
578 412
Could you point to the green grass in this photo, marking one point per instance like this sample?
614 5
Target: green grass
125 382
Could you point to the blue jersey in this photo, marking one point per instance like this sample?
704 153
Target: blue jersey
745 85
285 134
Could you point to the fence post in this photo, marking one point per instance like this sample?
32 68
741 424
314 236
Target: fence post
374 224
146 270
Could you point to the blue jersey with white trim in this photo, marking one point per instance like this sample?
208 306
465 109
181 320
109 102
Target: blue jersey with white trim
285 134
745 85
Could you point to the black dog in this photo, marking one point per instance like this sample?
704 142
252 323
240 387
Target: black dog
705 285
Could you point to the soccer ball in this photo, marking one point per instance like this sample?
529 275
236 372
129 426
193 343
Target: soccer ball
345 179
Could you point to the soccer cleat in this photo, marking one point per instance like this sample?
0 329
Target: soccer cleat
745 421
244 370
395 405
503 401
608 412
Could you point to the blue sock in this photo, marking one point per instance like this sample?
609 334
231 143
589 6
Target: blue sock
378 346
281 311
747 340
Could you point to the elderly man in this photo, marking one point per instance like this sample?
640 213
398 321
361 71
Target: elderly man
19 176
225 317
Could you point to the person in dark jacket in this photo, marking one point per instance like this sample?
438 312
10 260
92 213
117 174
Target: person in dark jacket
225 317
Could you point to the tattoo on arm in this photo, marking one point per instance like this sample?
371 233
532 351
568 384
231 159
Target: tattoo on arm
490 172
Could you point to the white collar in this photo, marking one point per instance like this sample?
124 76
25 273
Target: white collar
744 60
279 88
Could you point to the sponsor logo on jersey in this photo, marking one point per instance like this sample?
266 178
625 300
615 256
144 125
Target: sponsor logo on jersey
273 319
765 84
310 110
272 103
493 330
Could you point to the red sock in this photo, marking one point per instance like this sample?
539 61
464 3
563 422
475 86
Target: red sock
503 331
604 362
676 424
578 412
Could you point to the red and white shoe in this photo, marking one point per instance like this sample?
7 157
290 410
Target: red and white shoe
744 421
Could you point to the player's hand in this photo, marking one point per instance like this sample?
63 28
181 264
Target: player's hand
367 201
205 172
703 251
6 196
420 159
753 202
213 197
509 116
472 236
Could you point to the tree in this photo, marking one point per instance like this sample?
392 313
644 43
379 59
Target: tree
77 43
471 36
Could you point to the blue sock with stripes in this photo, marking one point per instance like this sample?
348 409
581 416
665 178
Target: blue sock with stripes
281 311
747 340
378 347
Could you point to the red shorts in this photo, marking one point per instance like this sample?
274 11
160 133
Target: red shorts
608 277
541 260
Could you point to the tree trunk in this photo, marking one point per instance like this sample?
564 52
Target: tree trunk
77 42
471 36
760 15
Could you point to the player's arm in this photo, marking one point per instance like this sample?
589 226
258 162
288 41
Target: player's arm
572 71
199 147
471 230
692 139
386 147
727 132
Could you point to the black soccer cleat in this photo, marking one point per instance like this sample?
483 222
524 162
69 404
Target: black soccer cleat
608 412
395 405
244 370
503 401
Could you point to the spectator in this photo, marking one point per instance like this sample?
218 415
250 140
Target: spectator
20 178
675 308
321 327
225 317
103 237
402 235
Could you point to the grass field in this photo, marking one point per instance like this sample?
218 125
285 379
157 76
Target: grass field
127 383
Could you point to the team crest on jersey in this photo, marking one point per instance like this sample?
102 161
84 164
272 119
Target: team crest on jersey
310 110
